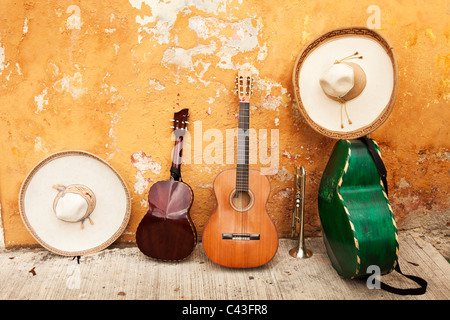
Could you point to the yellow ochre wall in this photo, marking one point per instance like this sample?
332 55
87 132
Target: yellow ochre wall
107 76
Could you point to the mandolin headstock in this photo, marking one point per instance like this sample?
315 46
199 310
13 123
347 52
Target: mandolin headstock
244 85
180 122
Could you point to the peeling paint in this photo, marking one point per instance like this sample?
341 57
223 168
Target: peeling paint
305 34
71 84
25 26
284 175
143 163
144 203
286 193
183 58
235 37
2 58
41 101
141 183
155 85
19 70
292 157
271 103
112 134
165 14
116 48
227 39
40 145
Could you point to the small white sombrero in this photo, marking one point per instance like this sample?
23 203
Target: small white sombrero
345 82
74 203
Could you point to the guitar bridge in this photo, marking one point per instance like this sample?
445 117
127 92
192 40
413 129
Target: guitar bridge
240 236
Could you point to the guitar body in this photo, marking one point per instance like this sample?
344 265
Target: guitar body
229 238
166 232
358 224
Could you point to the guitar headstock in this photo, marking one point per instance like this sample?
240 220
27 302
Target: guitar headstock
244 85
180 122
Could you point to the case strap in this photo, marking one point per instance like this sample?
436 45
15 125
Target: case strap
378 161
411 291
383 174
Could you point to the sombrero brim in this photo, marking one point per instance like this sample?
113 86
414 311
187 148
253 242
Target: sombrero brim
372 107
110 216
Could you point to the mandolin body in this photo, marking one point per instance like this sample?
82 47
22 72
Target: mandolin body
358 224
166 232
229 238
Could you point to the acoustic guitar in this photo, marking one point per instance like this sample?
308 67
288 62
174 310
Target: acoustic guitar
240 233
167 232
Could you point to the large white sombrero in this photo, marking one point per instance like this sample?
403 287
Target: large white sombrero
74 203
345 82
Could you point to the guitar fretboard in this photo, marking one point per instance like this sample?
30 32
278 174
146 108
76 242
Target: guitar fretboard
243 147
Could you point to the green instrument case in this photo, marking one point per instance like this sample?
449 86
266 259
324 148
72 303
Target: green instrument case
359 228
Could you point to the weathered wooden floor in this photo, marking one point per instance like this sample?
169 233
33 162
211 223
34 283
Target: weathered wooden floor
125 273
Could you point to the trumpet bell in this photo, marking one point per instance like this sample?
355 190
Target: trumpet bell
300 253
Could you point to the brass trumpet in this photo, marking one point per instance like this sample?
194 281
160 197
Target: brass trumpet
298 212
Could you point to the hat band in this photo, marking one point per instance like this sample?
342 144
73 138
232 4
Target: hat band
80 190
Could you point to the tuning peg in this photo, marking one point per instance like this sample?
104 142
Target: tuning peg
172 120
172 127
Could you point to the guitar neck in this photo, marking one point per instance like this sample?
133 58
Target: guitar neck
243 147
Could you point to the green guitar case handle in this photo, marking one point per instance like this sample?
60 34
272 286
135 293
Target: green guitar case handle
359 228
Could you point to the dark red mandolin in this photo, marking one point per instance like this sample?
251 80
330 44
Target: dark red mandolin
167 232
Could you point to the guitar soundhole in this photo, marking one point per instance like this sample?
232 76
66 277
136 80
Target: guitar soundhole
241 200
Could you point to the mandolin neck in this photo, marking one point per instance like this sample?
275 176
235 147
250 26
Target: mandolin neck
180 127
243 147
175 170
